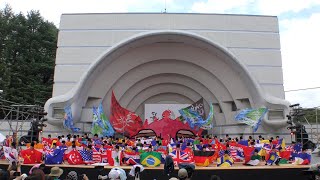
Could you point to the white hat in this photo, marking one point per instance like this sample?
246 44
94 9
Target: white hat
114 174
183 173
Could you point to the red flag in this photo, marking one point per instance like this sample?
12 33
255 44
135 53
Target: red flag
285 154
247 151
123 120
46 141
104 155
31 156
74 157
109 157
218 146
49 142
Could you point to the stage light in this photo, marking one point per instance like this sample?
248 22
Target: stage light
289 117
293 105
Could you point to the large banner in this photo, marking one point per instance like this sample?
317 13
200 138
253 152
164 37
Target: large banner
251 117
154 112
123 120
198 107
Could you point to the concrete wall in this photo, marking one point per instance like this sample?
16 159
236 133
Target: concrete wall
254 40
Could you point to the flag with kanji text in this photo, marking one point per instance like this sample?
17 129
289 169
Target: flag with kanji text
124 121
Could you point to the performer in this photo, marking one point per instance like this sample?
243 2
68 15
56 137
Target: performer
11 153
255 159
224 160
297 147
303 158
116 156
274 158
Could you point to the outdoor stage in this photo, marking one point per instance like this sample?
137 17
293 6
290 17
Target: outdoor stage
238 171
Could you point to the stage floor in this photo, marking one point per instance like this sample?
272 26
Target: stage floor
238 171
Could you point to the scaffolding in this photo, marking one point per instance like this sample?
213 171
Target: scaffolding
301 129
313 128
15 117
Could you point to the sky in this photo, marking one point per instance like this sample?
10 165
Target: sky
299 23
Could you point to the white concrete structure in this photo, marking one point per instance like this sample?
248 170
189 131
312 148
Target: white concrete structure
232 61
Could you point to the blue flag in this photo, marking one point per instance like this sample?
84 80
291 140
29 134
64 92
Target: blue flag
251 117
195 120
55 156
100 124
68 120
86 156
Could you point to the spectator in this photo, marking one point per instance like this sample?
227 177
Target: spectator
168 165
183 174
72 175
215 177
135 171
37 174
4 174
56 172
115 174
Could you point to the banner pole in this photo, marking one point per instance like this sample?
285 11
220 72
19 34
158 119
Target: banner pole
252 132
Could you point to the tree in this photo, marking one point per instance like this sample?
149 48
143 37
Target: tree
27 56
310 115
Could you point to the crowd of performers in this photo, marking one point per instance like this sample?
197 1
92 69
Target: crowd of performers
152 151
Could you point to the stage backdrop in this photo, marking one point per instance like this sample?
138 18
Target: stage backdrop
154 111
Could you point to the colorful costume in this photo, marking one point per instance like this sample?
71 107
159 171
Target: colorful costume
302 159
254 160
224 161
272 159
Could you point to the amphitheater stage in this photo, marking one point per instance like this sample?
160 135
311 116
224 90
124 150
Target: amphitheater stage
238 171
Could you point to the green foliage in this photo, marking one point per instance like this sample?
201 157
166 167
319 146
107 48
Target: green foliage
311 115
27 56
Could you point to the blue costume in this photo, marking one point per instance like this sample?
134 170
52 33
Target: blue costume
272 159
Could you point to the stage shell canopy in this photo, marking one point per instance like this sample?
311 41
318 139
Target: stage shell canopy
172 66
